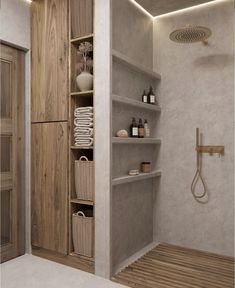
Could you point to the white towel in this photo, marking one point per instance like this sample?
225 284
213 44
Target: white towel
78 114
83 122
88 109
84 133
84 117
84 142
83 129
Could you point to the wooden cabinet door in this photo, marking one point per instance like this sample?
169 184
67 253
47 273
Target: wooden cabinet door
49 39
11 153
49 186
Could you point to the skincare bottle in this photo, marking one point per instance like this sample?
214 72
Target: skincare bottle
151 96
134 128
140 129
146 129
144 97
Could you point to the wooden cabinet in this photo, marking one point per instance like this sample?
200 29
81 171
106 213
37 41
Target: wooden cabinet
49 186
49 60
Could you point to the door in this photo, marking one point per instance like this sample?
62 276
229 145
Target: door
49 60
12 155
49 186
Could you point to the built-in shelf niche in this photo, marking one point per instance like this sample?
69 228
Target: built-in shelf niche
81 30
75 59
119 57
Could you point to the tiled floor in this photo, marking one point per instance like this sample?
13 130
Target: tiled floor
29 271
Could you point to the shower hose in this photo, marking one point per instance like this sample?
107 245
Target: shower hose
198 175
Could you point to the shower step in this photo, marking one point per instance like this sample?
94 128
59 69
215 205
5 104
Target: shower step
140 177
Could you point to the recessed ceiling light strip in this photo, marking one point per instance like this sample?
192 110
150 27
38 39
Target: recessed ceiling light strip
188 8
174 12
142 9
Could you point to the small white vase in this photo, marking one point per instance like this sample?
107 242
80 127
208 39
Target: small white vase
84 81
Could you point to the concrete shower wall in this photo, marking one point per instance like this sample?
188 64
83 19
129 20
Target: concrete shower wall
196 90
132 204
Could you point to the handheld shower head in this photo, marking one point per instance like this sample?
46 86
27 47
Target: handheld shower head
191 34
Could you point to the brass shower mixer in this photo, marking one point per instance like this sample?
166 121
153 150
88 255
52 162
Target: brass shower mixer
210 149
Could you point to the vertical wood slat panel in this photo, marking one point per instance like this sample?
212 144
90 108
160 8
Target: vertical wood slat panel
81 17
49 186
49 61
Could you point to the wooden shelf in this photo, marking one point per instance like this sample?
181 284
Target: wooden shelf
140 177
78 148
128 140
133 65
84 202
135 103
81 39
82 93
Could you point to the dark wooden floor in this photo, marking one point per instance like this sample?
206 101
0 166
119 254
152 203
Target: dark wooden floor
169 266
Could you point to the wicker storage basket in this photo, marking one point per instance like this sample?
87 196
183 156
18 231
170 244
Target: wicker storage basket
84 178
83 234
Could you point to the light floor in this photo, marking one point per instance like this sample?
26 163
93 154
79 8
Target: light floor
29 271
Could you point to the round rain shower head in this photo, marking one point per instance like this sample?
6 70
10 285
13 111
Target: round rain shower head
191 34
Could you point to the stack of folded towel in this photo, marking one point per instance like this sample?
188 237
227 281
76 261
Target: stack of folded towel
83 126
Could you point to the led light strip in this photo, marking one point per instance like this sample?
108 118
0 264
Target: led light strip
173 12
142 9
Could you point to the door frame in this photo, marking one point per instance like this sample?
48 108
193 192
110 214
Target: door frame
12 250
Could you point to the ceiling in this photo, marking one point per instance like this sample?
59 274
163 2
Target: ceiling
159 7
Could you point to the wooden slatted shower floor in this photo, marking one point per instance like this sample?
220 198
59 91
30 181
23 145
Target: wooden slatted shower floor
169 266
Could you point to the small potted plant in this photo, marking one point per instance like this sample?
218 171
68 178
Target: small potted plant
84 67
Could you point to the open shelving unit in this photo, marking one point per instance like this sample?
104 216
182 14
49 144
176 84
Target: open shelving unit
81 30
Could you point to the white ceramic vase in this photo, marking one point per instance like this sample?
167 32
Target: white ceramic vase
84 81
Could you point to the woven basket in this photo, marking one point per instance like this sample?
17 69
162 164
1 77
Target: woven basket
84 178
83 234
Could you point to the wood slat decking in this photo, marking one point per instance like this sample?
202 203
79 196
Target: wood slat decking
170 266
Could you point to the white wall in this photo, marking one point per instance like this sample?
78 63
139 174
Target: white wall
15 30
196 90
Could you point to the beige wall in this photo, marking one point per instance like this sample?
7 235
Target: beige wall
196 90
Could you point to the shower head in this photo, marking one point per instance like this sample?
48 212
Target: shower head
191 34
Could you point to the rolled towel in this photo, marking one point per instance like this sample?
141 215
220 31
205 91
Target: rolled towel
83 131
83 123
83 134
84 142
84 116
78 114
87 109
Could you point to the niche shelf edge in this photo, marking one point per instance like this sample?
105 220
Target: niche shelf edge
135 103
140 177
129 140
